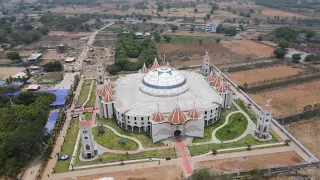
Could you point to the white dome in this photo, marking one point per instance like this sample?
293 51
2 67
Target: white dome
164 82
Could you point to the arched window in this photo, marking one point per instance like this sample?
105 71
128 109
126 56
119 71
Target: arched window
265 129
87 147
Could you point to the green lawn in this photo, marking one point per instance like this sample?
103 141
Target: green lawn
249 139
143 138
92 100
113 79
112 141
236 126
88 116
208 130
115 30
186 40
244 108
68 146
84 92
110 157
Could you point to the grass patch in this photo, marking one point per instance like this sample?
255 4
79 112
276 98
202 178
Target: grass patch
85 89
249 139
186 40
208 130
240 150
110 157
68 146
114 30
143 138
112 141
244 108
236 126
88 116
92 100
113 79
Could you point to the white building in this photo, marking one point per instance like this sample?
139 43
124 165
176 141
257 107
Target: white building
264 122
162 101
206 66
211 27
87 142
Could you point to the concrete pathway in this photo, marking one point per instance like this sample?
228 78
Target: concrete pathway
184 158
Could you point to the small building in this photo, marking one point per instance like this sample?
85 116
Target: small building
62 48
34 68
211 27
264 123
69 59
33 57
33 87
19 75
87 142
84 39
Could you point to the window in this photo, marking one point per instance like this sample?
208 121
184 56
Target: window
128 117
205 112
135 118
211 110
85 132
135 122
205 116
87 147
142 123
86 137
148 118
142 118
148 122
128 122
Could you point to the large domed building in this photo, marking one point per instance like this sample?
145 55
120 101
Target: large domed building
162 101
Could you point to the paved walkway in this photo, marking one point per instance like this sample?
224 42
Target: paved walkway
184 158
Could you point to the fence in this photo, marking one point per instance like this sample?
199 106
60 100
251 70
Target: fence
299 117
315 160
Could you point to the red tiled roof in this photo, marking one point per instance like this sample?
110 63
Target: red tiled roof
177 116
206 57
108 98
211 76
217 81
155 64
144 68
111 85
194 113
157 117
98 91
85 123
105 90
267 107
223 87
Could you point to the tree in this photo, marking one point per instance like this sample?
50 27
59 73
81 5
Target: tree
207 174
208 16
43 30
286 142
13 55
200 41
283 43
167 38
310 34
174 28
249 147
53 66
211 12
195 10
157 37
113 69
279 53
296 57
218 40
260 38
160 8
191 29
308 58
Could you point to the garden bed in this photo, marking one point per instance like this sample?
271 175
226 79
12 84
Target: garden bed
236 126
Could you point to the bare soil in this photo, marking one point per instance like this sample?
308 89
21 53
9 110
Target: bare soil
199 34
159 173
255 75
248 49
291 100
75 9
275 12
252 162
6 72
192 54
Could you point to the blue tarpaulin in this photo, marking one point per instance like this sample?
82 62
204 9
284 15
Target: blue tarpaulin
13 93
61 96
17 84
2 83
51 121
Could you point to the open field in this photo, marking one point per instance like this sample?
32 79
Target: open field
275 12
248 49
307 132
252 162
290 100
160 173
199 34
256 75
6 72
188 54
75 10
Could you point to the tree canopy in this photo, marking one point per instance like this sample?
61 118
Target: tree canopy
53 66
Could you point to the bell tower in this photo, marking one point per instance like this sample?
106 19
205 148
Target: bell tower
87 141
264 122
100 74
206 67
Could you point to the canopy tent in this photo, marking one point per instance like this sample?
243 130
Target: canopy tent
61 96
51 121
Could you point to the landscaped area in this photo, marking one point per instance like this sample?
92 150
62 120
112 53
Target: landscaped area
112 141
85 89
110 157
92 100
143 138
208 130
68 146
236 126
248 140
244 108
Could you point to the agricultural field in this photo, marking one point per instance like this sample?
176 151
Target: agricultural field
291 100
187 52
6 72
275 12
248 163
256 75
248 49
75 10
195 34
165 172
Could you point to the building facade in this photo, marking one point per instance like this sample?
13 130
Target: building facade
211 27
87 142
264 123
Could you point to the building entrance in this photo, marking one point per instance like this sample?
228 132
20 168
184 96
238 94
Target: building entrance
177 133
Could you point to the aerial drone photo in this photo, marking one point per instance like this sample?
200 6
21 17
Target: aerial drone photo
159 89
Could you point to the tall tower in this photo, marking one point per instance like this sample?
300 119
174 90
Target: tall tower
100 74
206 68
264 122
87 139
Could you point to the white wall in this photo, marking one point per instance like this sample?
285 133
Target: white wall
161 131
195 128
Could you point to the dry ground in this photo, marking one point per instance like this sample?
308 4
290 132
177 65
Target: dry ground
307 132
248 49
252 162
198 34
255 75
76 9
159 173
6 72
290 100
176 53
275 12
